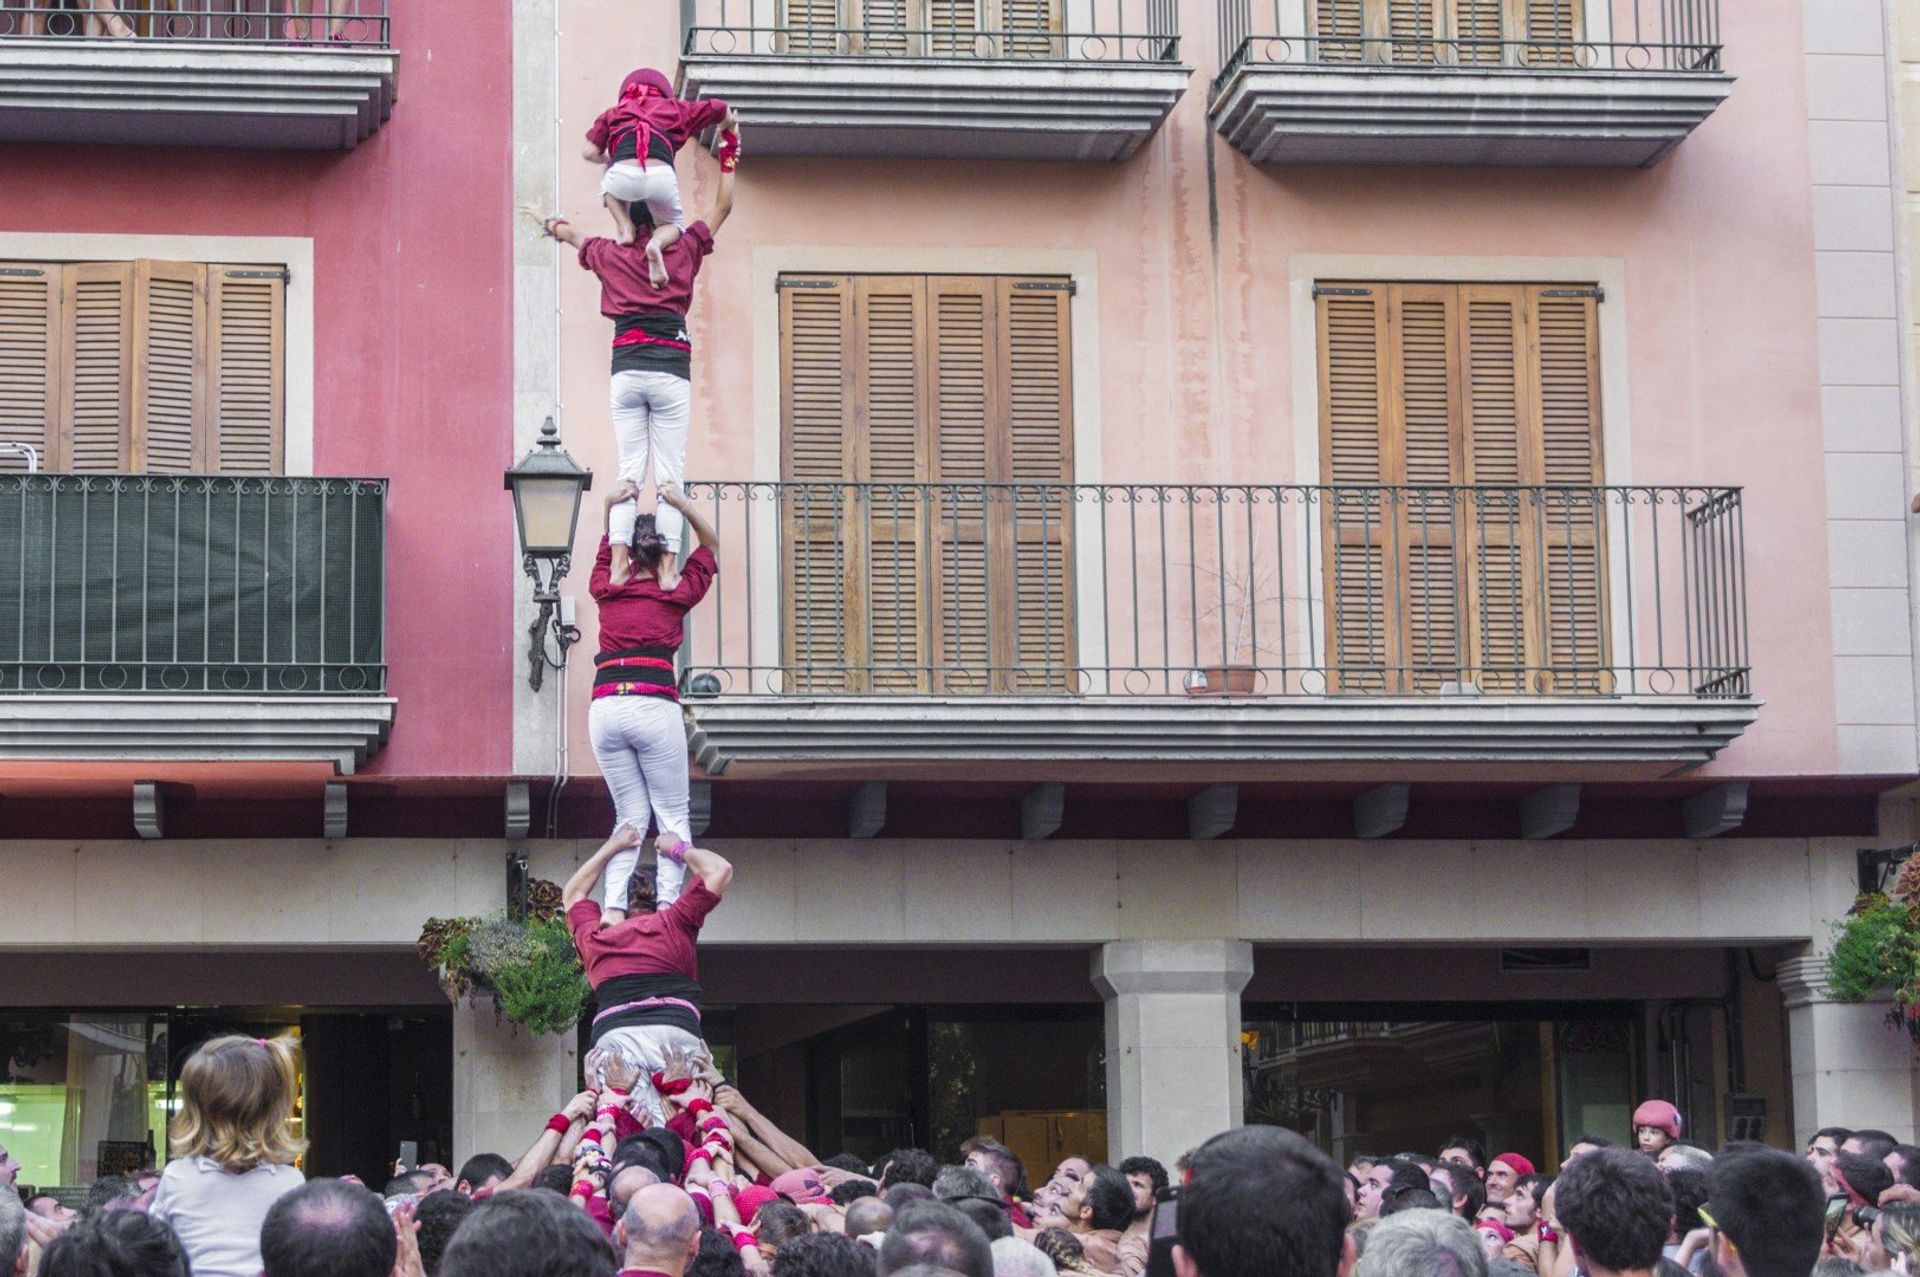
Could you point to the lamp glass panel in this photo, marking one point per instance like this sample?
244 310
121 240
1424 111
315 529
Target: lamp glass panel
547 511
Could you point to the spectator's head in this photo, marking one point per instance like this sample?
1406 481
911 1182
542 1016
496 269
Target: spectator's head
990 1216
47 1206
1869 1143
1616 1208
1861 1178
555 1179
824 1255
717 1257
438 1215
409 1184
1423 1243
1681 1153
901 1195
849 1163
1823 1148
935 1233
13 1231
1013 1257
850 1191
1581 1146
625 1182
1464 1150
1767 1210
112 1193
998 1163
1099 1200
867 1216
527 1235
483 1170
1405 1199
907 1166
777 1224
118 1244
1261 1200
1456 1185
326 1228
1656 1124
1689 1195
1503 1172
1894 1242
1523 1203
660 1229
956 1182
1904 1162
1147 1178
236 1094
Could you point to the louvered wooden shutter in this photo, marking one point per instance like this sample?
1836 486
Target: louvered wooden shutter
1553 28
246 394
883 27
30 327
1498 418
1036 382
1413 29
1423 402
889 398
968 557
1358 450
810 26
1029 28
170 380
953 27
1478 32
1571 526
96 360
817 447
1339 26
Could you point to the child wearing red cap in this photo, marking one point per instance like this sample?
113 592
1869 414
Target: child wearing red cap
1656 1124
636 139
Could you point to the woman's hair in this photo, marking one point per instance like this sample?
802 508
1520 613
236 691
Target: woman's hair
1900 1227
117 1244
649 547
640 892
236 1094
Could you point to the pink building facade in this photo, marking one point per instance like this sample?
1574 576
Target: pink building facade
1264 561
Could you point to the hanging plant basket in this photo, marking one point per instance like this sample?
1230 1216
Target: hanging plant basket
526 965
1876 950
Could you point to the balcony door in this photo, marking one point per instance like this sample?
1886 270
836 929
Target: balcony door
1463 538
144 366
924 28
1486 33
925 520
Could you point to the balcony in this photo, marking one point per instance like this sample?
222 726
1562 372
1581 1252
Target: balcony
1593 83
193 618
938 79
981 623
255 73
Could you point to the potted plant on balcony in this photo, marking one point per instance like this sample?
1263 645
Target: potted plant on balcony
1876 950
1236 603
527 965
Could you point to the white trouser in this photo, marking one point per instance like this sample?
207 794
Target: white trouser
656 185
651 415
641 746
646 1046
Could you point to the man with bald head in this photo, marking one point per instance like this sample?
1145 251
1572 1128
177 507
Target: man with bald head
659 1234
867 1216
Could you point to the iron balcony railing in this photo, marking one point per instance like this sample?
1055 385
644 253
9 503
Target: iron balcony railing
163 584
286 23
953 30
1259 590
1473 35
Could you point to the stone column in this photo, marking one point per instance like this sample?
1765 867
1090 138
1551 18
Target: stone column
1849 1066
506 1082
1173 1042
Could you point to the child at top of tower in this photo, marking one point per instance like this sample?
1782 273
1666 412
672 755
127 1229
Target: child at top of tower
636 138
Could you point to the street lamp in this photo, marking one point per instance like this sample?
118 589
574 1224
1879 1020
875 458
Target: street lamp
546 487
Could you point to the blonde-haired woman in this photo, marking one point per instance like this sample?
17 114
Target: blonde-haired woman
233 1154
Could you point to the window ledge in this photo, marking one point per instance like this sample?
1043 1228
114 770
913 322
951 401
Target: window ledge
160 92
343 730
1666 731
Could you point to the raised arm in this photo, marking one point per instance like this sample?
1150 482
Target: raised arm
541 1154
671 494
561 229
723 206
580 886
712 870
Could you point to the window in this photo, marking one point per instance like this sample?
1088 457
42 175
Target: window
1462 32
145 366
1463 532
915 28
927 444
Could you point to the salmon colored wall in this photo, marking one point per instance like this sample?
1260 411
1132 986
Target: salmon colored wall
1194 329
413 341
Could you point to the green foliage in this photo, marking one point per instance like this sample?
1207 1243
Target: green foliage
529 967
1876 950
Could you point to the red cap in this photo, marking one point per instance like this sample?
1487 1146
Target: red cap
1520 1165
1495 1227
1660 1115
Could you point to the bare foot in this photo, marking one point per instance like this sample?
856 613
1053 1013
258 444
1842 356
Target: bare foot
669 574
623 237
656 265
612 917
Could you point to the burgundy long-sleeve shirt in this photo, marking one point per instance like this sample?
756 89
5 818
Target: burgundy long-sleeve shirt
642 625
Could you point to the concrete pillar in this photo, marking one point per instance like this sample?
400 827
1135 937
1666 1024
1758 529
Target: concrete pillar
1850 1067
506 1082
1173 1042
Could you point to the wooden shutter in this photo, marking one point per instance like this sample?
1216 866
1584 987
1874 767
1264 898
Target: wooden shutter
889 404
1505 628
1571 526
1413 29
1556 25
883 27
1359 453
246 395
1339 26
970 620
817 445
1478 32
170 382
809 26
1036 382
1423 400
1029 28
96 359
30 327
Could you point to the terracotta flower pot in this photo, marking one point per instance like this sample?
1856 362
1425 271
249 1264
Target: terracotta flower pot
1227 680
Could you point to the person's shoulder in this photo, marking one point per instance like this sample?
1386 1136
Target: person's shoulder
583 912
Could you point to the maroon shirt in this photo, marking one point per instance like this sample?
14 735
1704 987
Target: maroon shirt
640 613
646 943
671 120
624 286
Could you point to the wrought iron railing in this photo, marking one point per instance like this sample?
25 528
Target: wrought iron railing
954 30
1473 35
165 584
287 23
1271 590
